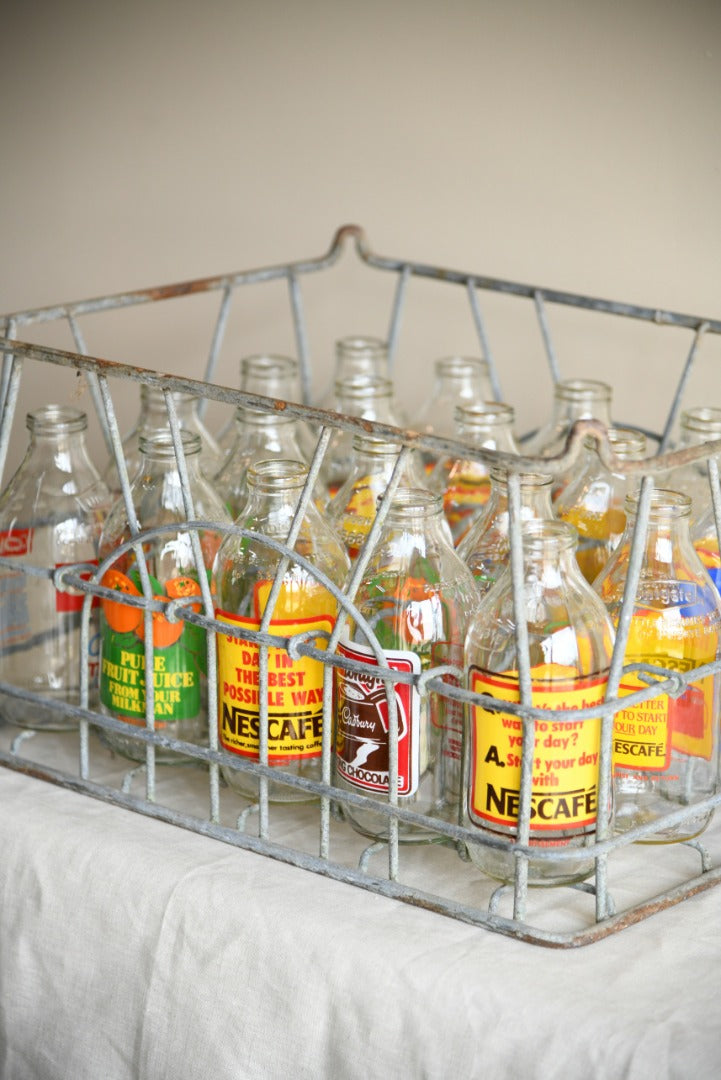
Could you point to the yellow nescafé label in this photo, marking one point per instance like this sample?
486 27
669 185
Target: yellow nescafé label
295 688
564 793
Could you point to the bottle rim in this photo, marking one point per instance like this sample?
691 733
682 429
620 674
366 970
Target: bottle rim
277 474
265 363
703 418
460 367
361 345
582 390
363 386
155 395
55 419
160 444
664 504
411 501
366 444
626 443
531 479
538 533
245 414
484 414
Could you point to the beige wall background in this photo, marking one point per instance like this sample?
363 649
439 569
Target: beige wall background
574 145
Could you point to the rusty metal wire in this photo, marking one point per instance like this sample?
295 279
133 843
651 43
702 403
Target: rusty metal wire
603 918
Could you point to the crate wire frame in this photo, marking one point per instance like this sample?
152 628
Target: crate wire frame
87 579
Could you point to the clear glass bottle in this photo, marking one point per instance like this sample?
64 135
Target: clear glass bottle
260 436
353 509
179 660
366 396
574 399
269 374
594 500
51 514
356 355
665 749
484 549
243 578
417 596
570 638
458 381
153 418
697 426
466 483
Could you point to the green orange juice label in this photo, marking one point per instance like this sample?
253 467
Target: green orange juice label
294 696
564 793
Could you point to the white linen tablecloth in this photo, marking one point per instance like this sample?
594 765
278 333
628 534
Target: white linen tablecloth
130 948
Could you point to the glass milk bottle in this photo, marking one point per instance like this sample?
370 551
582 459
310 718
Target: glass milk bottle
366 396
260 436
698 426
466 482
484 549
179 647
51 514
570 637
353 510
153 418
594 501
573 399
458 381
244 573
665 748
417 596
267 374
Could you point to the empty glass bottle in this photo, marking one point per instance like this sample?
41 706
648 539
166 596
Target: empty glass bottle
466 483
243 578
697 426
51 513
570 637
179 648
353 510
356 354
417 597
458 381
484 549
665 748
367 396
269 374
259 437
574 399
594 500
153 418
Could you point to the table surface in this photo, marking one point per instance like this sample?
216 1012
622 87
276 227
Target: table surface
133 948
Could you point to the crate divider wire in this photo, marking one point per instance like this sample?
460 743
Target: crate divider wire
600 915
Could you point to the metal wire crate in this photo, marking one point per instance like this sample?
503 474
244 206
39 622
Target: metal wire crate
435 877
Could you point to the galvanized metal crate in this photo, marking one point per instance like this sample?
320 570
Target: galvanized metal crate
437 877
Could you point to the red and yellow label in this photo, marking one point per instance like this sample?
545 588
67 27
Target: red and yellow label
564 793
644 735
295 687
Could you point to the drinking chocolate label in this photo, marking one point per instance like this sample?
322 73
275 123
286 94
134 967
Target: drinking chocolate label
565 755
295 690
362 722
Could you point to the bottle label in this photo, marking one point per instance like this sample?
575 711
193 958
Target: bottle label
564 791
15 542
179 658
707 551
644 735
71 600
361 710
359 514
295 688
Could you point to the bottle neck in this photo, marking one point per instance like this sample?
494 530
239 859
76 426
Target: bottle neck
582 399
